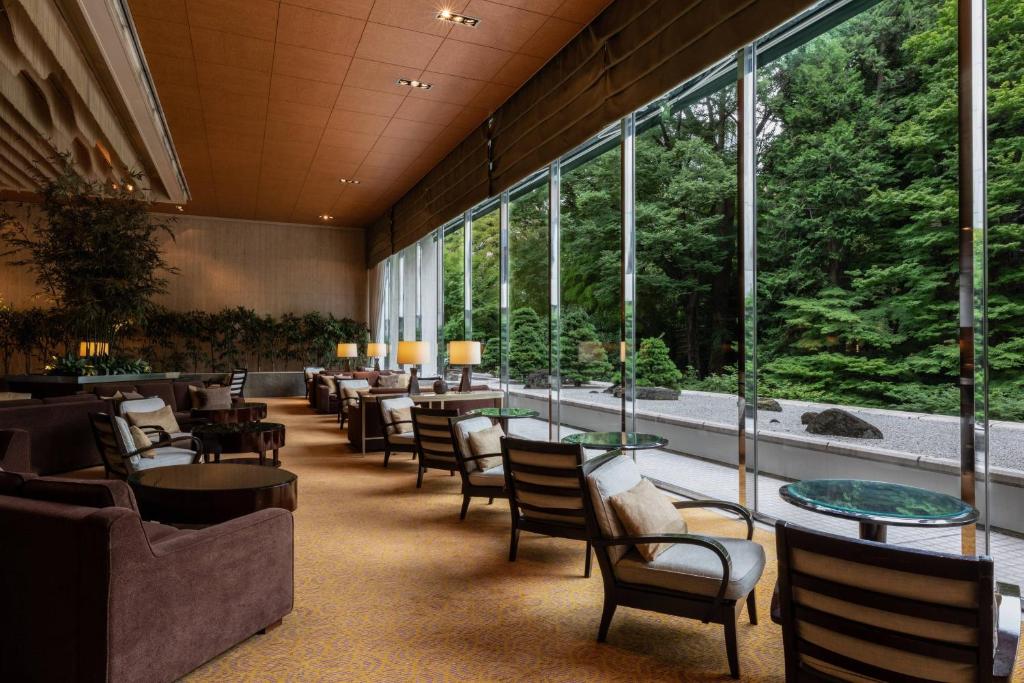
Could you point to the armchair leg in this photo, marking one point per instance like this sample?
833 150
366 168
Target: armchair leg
387 454
606 619
490 501
465 507
731 647
752 608
513 546
419 477
586 566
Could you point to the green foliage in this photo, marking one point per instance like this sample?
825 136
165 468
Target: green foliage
654 366
583 357
490 358
529 344
77 366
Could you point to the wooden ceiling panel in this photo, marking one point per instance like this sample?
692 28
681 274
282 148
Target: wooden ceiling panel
271 102
319 30
255 18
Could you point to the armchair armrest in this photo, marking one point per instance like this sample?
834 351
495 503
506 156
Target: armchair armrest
743 512
469 458
1007 630
687 539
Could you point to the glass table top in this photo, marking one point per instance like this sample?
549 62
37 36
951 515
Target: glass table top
630 441
879 502
505 413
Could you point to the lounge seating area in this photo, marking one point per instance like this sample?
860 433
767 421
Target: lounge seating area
511 340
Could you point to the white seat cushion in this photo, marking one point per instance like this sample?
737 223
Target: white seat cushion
492 477
697 570
165 456
405 438
353 383
141 405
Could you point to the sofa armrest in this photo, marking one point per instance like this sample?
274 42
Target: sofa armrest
184 599
15 450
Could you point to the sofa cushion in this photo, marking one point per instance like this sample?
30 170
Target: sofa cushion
214 398
495 476
141 440
646 511
487 442
615 476
95 493
697 570
162 418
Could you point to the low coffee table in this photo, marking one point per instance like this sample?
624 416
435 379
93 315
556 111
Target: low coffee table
623 441
210 494
241 437
240 412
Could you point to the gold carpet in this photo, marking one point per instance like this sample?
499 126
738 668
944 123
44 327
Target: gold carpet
391 586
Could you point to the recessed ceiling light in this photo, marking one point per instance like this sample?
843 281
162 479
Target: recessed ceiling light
348 181
414 84
326 217
454 18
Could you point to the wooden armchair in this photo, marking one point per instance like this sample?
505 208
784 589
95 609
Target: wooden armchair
120 456
434 444
479 480
544 491
237 382
395 440
700 577
860 610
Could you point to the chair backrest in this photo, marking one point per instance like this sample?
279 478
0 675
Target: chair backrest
389 404
855 609
543 480
434 442
351 384
237 382
601 478
110 441
141 405
462 427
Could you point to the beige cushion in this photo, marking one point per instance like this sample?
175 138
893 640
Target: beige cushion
406 438
494 476
389 404
193 395
163 418
645 511
403 416
486 442
142 440
331 383
13 396
695 569
123 396
463 428
388 381
615 476
214 398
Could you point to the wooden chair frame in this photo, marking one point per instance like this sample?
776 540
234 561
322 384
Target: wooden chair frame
469 489
994 660
715 610
244 373
106 436
430 457
385 423
520 521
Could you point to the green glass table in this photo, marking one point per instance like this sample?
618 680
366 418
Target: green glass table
609 441
503 415
877 505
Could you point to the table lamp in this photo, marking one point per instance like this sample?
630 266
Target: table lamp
376 351
466 354
413 353
89 349
348 352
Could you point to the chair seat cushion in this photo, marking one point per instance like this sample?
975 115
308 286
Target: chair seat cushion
404 438
494 476
697 570
166 456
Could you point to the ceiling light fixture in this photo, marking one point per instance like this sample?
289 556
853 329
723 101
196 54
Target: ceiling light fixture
326 217
414 84
348 181
454 18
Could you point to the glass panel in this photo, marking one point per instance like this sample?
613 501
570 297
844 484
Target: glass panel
486 263
454 286
529 364
1006 285
428 299
410 295
857 299
686 328
591 286
394 307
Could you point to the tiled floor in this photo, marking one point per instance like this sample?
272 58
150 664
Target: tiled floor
714 480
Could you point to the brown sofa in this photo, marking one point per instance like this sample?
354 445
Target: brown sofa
93 593
375 424
59 435
14 450
323 401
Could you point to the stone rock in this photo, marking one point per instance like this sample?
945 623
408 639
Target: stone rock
807 417
650 393
773 421
537 380
769 404
615 389
836 422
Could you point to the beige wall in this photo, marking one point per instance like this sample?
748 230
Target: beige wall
269 267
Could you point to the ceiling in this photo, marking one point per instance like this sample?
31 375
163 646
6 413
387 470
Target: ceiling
270 103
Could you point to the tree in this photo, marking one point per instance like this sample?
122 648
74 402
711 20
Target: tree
654 366
529 347
583 357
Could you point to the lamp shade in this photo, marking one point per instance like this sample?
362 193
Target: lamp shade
464 352
376 350
348 350
88 349
413 352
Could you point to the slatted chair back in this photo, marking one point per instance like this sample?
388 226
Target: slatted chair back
543 482
859 610
434 442
109 443
237 384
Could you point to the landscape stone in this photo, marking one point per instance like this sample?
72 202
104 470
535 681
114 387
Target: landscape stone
836 422
807 417
537 380
769 404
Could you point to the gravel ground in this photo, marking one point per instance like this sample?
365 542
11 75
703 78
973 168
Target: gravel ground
914 433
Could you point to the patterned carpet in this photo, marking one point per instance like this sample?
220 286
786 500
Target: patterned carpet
391 586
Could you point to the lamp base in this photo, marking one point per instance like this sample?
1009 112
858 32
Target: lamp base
414 382
376 364
466 382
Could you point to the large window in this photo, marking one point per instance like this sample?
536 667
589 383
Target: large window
485 256
454 303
